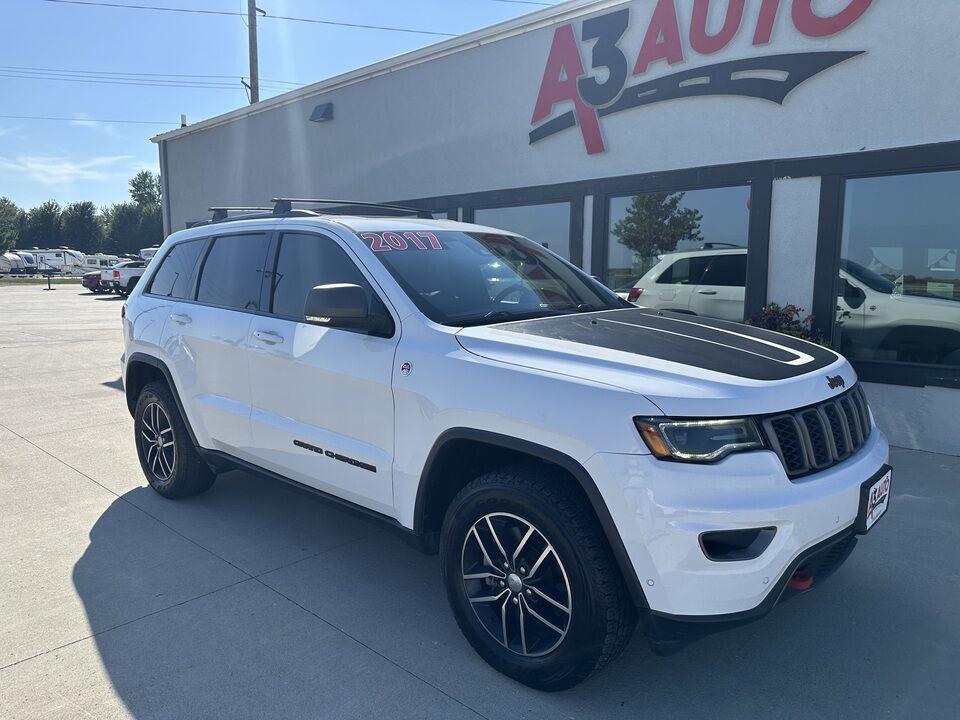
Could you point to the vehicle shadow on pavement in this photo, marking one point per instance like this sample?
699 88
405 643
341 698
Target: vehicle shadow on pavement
257 599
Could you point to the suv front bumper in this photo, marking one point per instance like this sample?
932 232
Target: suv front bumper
661 509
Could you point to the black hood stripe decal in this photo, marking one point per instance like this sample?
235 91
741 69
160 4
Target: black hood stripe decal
794 357
717 345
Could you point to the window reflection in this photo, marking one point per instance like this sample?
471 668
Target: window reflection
682 251
899 292
547 224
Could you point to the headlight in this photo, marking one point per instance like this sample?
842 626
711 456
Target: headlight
698 440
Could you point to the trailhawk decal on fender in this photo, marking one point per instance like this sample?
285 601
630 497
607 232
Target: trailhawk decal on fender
771 77
725 347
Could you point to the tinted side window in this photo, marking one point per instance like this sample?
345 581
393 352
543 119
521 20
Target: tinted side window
174 277
232 272
685 271
727 270
303 262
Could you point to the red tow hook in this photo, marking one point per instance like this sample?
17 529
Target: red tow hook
801 580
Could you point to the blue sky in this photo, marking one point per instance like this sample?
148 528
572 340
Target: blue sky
85 160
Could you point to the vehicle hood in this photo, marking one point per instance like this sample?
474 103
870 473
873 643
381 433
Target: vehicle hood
686 365
924 304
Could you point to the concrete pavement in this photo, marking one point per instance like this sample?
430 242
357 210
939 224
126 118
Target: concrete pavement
257 600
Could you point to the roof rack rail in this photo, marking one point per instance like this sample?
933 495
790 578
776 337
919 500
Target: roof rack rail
285 205
222 213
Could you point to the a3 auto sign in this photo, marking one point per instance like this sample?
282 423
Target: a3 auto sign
568 81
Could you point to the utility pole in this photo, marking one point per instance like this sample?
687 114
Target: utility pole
254 62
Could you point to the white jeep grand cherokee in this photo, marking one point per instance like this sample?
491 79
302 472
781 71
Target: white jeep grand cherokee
579 463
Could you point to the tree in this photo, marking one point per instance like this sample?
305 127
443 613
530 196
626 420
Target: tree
151 225
145 188
42 226
82 227
122 222
655 223
11 218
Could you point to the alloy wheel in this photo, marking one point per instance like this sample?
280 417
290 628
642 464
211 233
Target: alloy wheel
156 441
516 584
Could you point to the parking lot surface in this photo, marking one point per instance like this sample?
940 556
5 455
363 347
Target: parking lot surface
258 600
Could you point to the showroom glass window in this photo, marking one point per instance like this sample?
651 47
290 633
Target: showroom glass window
547 224
899 293
232 272
648 229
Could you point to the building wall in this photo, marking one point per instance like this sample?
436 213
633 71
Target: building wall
460 123
794 218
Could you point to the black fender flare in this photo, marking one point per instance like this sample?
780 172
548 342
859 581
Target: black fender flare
157 363
555 457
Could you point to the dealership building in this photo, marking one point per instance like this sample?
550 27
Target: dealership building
819 139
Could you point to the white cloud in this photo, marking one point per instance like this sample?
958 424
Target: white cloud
83 120
11 130
60 170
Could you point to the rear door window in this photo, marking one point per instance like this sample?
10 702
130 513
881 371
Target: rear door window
174 278
685 271
726 271
232 272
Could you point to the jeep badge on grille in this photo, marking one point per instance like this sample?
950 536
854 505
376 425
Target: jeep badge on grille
835 382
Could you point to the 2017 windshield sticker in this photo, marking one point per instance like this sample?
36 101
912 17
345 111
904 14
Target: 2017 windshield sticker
385 242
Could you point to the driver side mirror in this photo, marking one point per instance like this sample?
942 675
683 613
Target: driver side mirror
852 295
347 306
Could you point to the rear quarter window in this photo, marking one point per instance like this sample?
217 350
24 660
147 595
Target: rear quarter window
685 271
174 278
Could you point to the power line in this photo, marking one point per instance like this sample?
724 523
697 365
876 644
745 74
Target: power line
121 81
74 119
196 11
118 75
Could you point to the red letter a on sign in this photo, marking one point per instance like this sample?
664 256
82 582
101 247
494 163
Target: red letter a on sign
662 41
559 84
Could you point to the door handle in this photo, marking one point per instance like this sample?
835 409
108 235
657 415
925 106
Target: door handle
268 338
181 319
706 292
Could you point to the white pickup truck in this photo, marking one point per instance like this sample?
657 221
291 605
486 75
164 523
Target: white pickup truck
123 276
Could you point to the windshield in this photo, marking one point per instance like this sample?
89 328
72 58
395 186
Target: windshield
461 279
868 277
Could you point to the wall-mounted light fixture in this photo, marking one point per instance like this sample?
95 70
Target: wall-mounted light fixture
322 112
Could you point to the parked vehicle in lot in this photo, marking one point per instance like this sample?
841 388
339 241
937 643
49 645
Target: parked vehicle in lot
877 316
100 261
123 276
579 464
91 281
28 260
11 263
148 253
59 260
94 281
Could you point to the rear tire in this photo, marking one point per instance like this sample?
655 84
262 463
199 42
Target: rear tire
531 579
169 460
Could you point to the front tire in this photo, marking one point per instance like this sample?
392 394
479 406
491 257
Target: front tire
531 579
169 460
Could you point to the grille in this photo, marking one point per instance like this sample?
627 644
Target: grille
814 438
